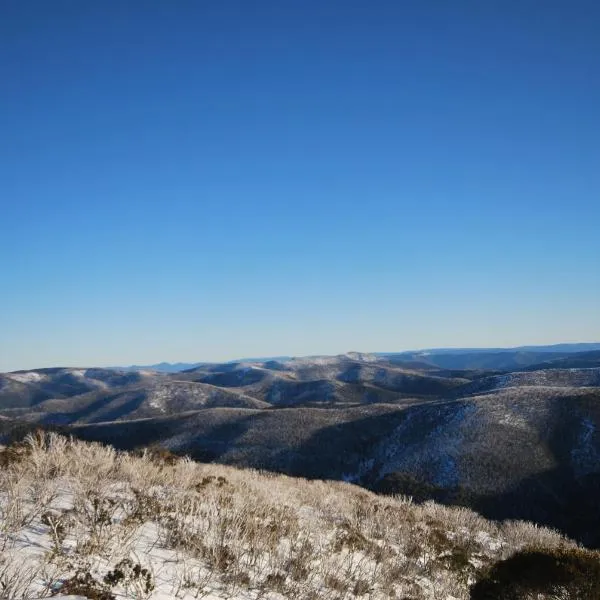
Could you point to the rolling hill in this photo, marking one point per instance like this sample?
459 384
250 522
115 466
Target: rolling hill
512 444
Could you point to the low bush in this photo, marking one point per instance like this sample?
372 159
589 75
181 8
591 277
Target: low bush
562 573
83 584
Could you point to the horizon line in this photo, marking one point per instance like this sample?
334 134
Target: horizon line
291 357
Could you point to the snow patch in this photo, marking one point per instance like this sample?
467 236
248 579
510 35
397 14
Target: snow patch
27 377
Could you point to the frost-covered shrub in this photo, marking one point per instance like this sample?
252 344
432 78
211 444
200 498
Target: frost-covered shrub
203 530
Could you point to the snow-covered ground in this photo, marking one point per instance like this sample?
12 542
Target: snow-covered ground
79 518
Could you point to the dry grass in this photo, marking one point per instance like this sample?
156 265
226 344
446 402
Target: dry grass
76 516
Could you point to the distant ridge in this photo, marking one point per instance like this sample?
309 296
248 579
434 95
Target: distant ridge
163 367
564 348
167 367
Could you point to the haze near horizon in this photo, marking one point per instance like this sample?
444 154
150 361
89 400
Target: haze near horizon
206 181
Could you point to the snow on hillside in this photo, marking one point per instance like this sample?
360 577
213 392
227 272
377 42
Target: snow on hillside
434 454
585 457
70 381
26 376
81 519
170 397
585 377
488 442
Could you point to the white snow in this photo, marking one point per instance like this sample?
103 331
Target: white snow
171 520
27 377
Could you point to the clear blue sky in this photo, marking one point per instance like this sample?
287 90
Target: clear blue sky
203 180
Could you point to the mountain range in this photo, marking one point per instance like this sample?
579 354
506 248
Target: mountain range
512 433
436 354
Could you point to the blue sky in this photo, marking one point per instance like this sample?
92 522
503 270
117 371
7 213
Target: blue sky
209 180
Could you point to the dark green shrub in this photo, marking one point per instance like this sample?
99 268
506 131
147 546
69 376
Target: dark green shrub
128 573
571 572
83 584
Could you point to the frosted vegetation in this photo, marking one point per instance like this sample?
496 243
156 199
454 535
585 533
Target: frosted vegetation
86 520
